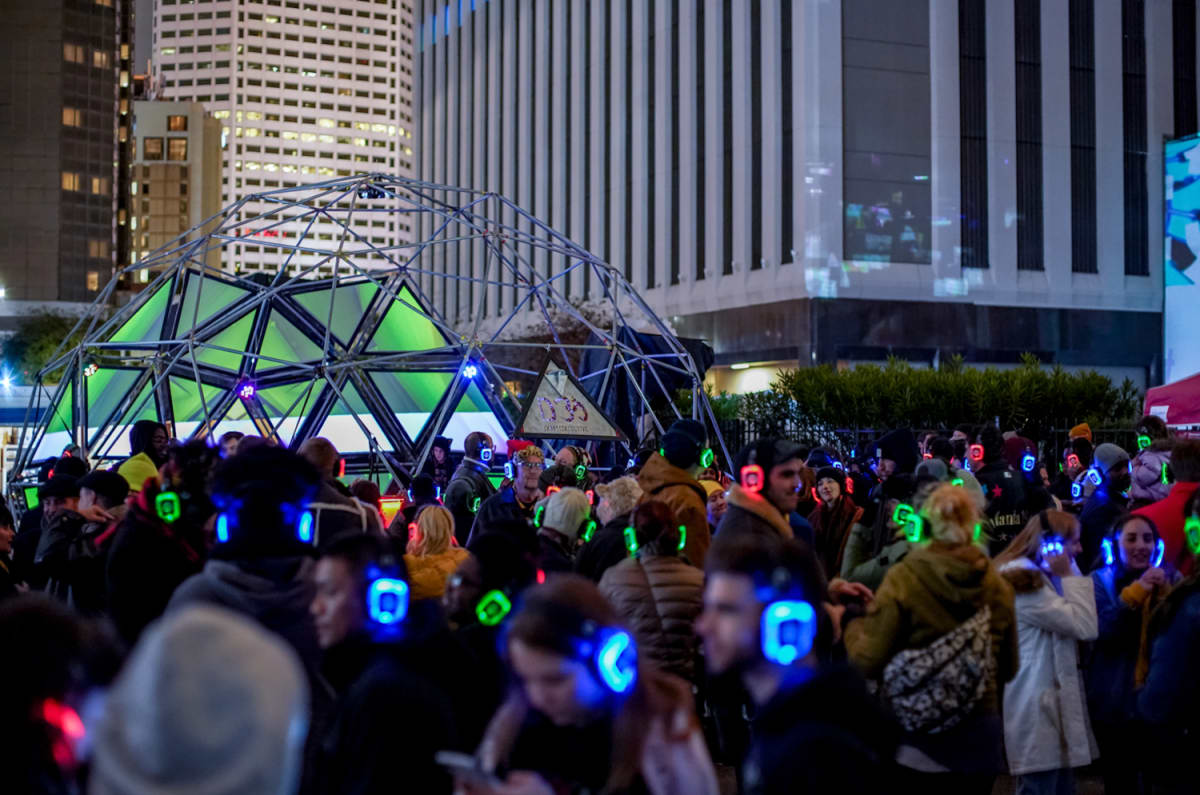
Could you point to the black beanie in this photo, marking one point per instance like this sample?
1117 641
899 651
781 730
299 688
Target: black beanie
834 474
900 446
683 443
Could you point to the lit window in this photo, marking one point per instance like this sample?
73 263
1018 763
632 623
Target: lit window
100 59
327 123
100 185
251 115
177 123
72 117
71 180
152 149
98 248
251 132
73 53
93 280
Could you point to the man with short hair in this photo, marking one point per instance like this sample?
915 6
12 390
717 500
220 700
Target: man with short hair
470 487
334 509
769 472
514 505
1167 513
1003 489
815 728
1111 464
669 476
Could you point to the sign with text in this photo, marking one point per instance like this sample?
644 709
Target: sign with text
559 408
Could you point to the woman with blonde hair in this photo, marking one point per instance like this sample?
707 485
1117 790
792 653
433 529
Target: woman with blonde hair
432 554
1046 727
944 593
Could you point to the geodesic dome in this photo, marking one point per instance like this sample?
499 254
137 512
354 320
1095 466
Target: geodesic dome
401 343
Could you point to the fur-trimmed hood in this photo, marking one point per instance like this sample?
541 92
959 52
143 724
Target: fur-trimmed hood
1023 575
756 504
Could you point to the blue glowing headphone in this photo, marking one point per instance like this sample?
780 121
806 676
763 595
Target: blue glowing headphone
387 595
1028 462
1052 543
485 455
296 516
1108 542
611 652
789 625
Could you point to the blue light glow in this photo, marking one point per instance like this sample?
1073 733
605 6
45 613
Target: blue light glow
508 470
788 630
617 662
1107 548
470 371
223 528
387 600
485 455
1028 462
304 528
1160 549
1095 476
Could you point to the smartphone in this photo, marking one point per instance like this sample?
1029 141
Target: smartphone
466 766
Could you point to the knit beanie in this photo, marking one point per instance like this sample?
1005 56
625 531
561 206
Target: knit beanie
1081 430
565 511
900 446
1108 456
209 702
834 474
622 494
683 443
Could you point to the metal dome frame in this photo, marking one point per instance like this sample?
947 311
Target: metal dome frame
202 350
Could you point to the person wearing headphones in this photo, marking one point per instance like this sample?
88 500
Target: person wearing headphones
561 520
1111 474
587 714
470 488
514 504
389 719
670 476
815 728
1047 732
335 510
944 588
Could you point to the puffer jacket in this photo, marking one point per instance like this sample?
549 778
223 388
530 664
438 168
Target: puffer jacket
686 498
1148 466
932 591
659 596
427 574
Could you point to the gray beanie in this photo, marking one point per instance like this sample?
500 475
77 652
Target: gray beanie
208 702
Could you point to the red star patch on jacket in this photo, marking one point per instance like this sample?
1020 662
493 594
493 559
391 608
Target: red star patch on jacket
997 491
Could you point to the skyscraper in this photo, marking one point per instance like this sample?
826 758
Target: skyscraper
304 92
64 91
802 181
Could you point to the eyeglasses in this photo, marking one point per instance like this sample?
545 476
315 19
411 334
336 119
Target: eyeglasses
532 466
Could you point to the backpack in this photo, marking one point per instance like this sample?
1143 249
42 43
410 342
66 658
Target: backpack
931 689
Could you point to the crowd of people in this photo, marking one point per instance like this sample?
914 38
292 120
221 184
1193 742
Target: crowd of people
925 614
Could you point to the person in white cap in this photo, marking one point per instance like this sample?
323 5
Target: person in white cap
209 703
560 519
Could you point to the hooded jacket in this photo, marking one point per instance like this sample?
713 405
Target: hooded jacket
929 593
659 596
749 513
1004 491
335 513
427 574
1046 724
1147 482
502 508
831 525
826 735
459 497
276 592
606 549
73 554
662 481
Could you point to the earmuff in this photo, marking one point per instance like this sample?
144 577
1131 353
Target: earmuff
751 475
788 626
387 594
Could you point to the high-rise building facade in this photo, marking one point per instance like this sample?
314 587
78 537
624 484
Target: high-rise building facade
803 181
304 92
64 115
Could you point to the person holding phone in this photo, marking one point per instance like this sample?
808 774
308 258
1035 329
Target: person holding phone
586 714
1047 732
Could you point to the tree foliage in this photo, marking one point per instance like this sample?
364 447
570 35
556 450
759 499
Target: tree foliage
34 342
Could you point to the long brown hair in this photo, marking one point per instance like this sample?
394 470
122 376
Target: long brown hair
1028 542
548 619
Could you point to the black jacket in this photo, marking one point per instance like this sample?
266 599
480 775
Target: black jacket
500 509
605 550
825 735
467 484
554 553
73 555
8 584
25 545
335 512
388 724
1004 491
1095 521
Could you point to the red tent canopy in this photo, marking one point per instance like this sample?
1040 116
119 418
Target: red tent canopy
1177 403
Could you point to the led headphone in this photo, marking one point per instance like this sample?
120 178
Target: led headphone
788 626
611 652
1191 530
1095 477
1143 441
1028 462
707 457
1051 542
580 472
751 475
299 518
588 529
485 455
493 607
537 516
976 452
437 493
1073 461
911 521
387 594
475 505
168 507
509 470
1160 549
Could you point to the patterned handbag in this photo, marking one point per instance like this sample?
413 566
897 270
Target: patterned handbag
931 689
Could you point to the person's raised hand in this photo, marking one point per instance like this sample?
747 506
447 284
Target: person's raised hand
94 513
1153 576
841 591
1059 564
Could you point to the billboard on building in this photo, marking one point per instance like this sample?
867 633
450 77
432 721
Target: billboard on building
1181 272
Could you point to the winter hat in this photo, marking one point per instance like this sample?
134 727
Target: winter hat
683 443
820 457
1108 456
1015 448
565 511
623 493
109 486
710 487
899 446
833 474
137 470
442 442
208 702
557 475
60 486
768 454
518 444
69 465
935 468
1082 430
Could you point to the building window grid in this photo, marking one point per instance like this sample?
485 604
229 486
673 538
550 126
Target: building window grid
1133 66
972 42
1028 47
1082 78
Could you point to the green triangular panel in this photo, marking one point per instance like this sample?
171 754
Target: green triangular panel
341 428
139 411
349 305
282 340
213 295
473 400
62 412
406 328
277 401
185 399
412 396
105 389
146 322
234 337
